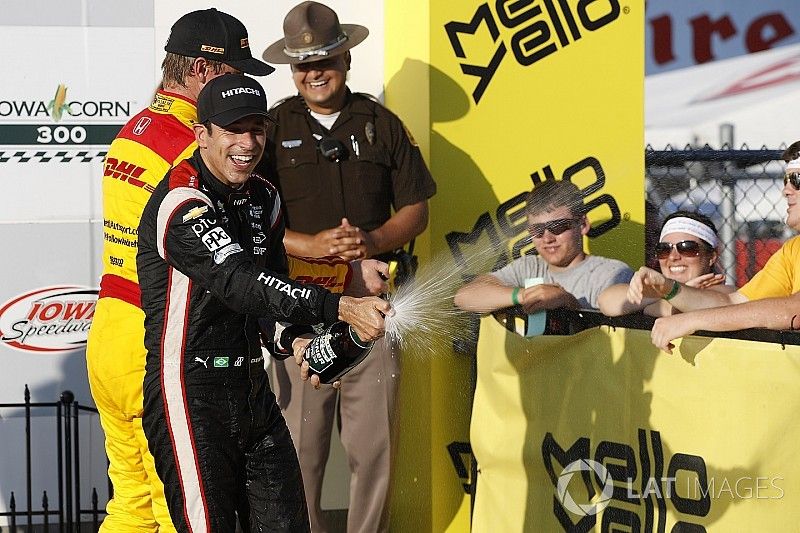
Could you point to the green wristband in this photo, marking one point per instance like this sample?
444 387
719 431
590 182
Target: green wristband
515 296
676 288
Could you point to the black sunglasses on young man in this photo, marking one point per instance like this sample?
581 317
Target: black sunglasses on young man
685 248
793 178
556 227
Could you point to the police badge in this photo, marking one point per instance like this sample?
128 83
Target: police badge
369 131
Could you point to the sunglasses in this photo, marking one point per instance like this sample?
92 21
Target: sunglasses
556 227
685 248
793 178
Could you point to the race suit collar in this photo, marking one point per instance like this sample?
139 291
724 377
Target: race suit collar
211 183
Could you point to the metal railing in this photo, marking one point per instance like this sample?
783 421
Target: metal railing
68 515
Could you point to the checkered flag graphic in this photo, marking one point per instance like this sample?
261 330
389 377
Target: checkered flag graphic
55 156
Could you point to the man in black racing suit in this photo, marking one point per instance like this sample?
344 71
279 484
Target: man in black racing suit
211 263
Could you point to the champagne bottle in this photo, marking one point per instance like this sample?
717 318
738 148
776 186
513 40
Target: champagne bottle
335 352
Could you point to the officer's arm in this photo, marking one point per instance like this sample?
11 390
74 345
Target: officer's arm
408 222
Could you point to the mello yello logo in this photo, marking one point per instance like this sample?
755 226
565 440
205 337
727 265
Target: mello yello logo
51 319
540 28
636 486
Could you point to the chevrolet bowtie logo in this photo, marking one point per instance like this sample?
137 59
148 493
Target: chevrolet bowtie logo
195 212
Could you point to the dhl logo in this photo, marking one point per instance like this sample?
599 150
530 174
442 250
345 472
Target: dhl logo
124 171
323 281
212 49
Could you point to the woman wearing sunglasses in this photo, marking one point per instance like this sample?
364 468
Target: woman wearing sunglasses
687 253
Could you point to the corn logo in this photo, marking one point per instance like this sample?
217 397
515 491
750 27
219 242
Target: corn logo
540 28
128 172
58 105
48 320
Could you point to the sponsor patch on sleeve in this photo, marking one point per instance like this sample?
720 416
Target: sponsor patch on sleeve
215 239
195 212
226 251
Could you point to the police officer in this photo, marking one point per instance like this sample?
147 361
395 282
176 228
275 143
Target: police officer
354 184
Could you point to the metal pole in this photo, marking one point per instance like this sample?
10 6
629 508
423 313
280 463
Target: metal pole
28 491
95 518
13 507
60 461
46 511
67 398
727 208
77 448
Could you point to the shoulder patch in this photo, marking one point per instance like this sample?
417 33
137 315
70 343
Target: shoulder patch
195 212
183 175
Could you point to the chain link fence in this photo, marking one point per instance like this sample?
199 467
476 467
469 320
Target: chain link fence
740 190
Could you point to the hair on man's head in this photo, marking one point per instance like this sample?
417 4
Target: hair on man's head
552 194
177 68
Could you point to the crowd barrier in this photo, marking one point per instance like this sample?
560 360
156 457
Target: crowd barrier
601 431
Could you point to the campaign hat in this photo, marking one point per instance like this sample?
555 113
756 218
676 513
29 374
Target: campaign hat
312 32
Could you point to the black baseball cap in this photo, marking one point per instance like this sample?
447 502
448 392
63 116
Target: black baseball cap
215 35
230 97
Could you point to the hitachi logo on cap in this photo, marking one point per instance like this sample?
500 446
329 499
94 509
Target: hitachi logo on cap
240 90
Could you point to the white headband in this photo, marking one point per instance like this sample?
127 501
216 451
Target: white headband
690 226
793 165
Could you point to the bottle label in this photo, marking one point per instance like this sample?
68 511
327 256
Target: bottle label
320 354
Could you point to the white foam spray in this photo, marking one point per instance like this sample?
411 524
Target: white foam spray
426 321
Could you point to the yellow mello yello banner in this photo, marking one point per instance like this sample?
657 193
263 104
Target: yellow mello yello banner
500 95
600 431
525 91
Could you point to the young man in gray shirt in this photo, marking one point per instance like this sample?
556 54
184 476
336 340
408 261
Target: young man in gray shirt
569 276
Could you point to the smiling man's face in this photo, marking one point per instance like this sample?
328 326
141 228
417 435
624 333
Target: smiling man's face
322 83
232 152
562 245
